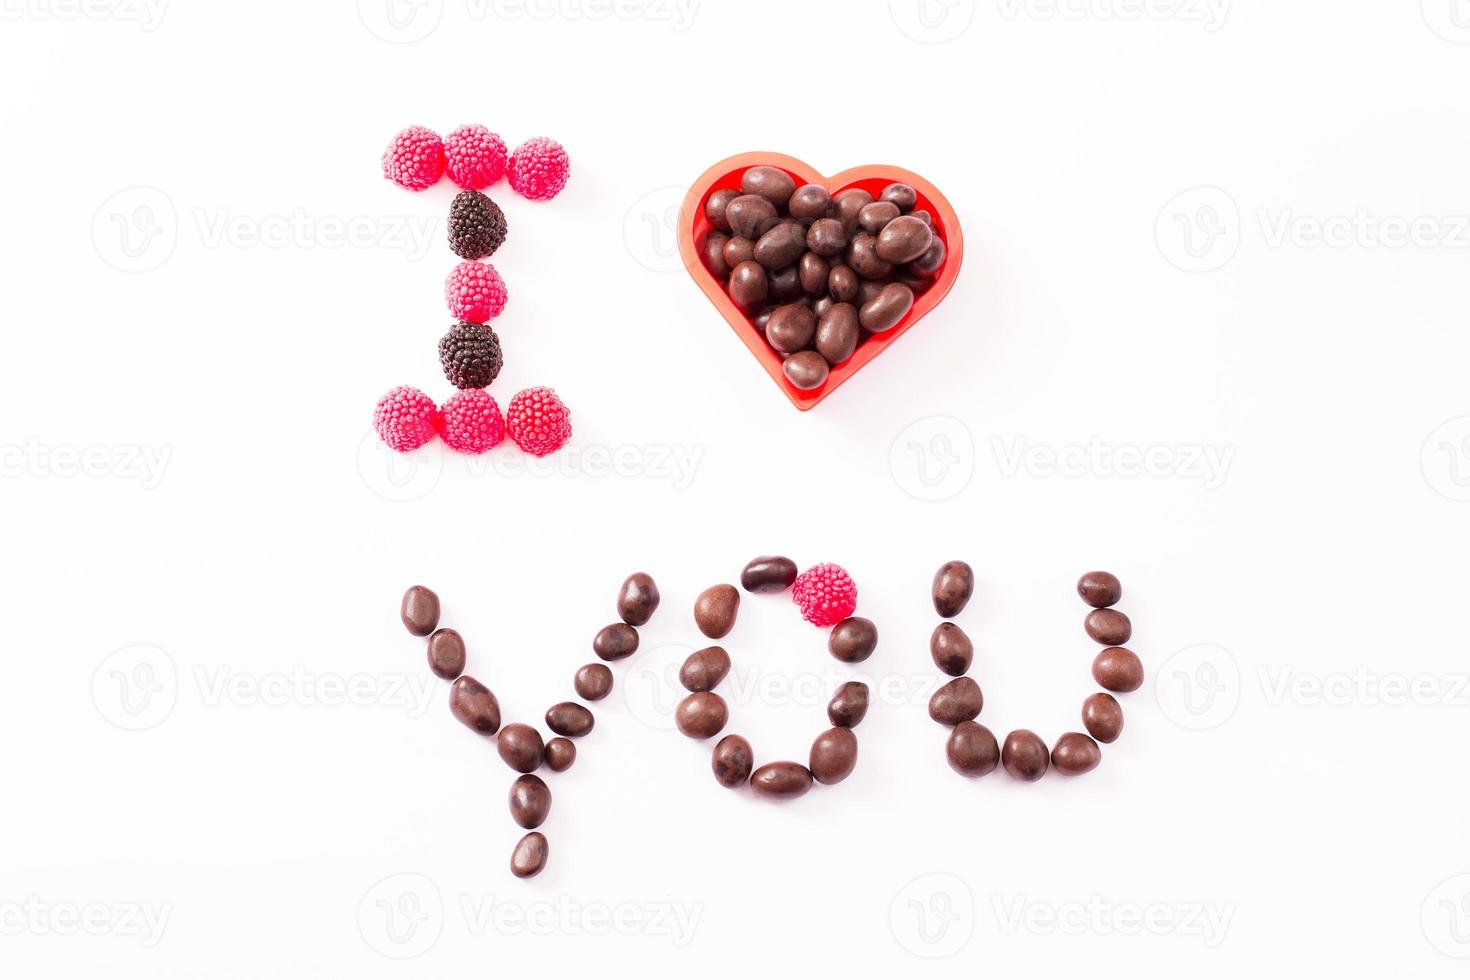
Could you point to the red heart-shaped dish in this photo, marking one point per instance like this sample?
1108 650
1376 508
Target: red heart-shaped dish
694 228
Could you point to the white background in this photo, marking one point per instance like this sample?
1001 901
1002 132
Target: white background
1185 241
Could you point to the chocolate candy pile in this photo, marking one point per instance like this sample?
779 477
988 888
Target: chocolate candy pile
817 273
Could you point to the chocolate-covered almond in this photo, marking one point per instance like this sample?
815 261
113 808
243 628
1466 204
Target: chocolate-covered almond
874 217
1025 755
1118 669
714 208
703 669
615 641
701 715
849 705
833 756
520 747
569 718
593 682
931 261
883 311
806 369
1102 717
843 283
1108 626
749 285
821 305
781 246
862 257
904 239
951 649
972 749
715 609
750 216
959 700
737 250
768 573
902 195
846 205
419 610
529 856
853 640
637 599
1100 589
790 328
474 705
781 780
954 583
837 333
771 183
812 272
530 801
827 237
809 202
1075 754
732 761
560 754
785 285
446 653
713 252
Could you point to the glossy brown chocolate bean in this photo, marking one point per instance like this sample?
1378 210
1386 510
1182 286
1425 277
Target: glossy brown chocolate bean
806 369
820 307
827 237
560 754
530 801
1108 626
1024 755
615 641
529 857
750 216
768 573
781 246
569 718
883 311
1075 754
713 252
1118 669
715 609
954 584
701 715
446 653
749 285
1102 717
924 216
703 669
843 284
419 610
853 640
972 749
520 747
812 272
903 240
474 705
737 250
790 328
846 205
771 183
951 649
959 700
837 333
714 208
732 761
874 217
637 599
931 261
833 756
849 705
902 195
868 290
593 682
862 257
1100 589
785 285
810 202
781 780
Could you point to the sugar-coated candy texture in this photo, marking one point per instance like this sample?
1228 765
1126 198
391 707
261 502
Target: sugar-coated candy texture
470 355
474 292
405 418
825 594
474 157
477 226
471 422
538 421
415 158
539 169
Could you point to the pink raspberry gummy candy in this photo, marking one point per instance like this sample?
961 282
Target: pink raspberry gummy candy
825 593
471 422
474 292
415 158
405 418
475 157
539 169
538 421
